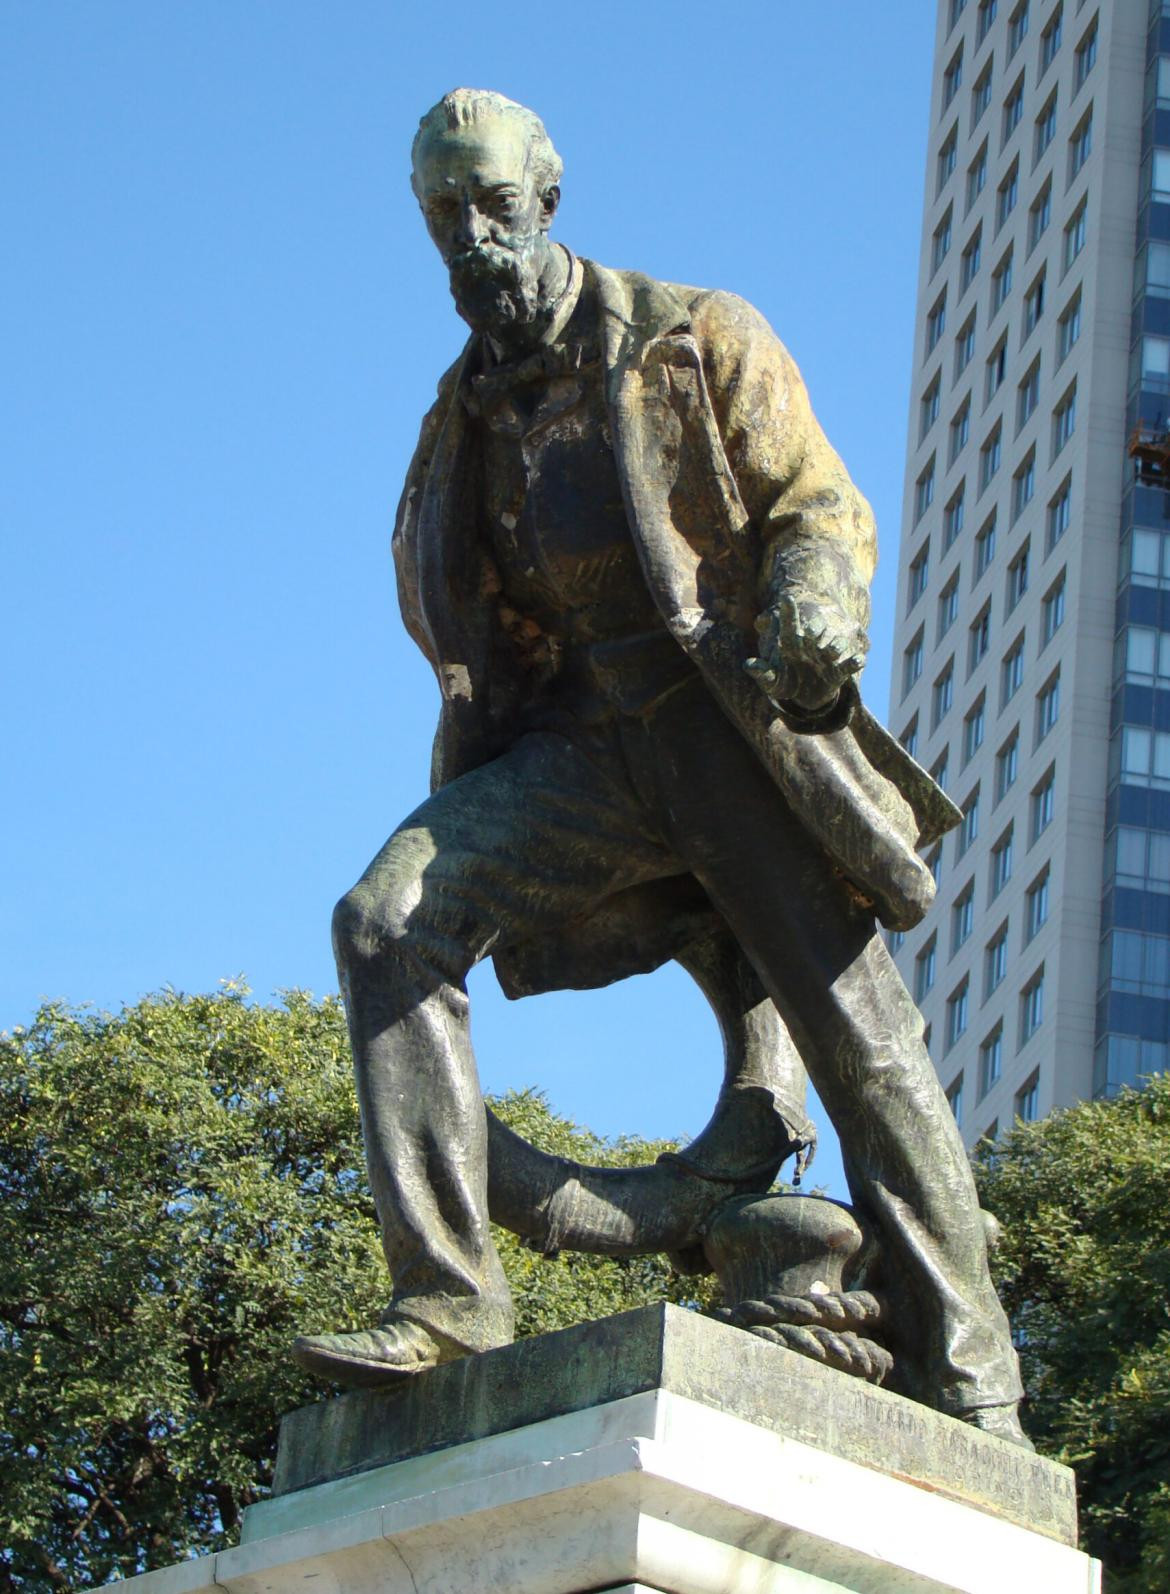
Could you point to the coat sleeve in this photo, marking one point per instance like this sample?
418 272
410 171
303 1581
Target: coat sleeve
816 530
404 543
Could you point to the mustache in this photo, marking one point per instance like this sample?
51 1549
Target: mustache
490 262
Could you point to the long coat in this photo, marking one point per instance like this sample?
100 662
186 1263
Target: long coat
732 493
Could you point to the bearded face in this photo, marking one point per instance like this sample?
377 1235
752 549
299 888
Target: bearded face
489 221
496 286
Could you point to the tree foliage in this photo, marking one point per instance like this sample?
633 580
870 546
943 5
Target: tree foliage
182 1191
1084 1271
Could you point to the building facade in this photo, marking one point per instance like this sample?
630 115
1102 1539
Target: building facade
1034 569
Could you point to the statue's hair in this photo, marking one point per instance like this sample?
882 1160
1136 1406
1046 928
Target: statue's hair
463 107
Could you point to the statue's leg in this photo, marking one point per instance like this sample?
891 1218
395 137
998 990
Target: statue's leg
517 846
820 957
759 1119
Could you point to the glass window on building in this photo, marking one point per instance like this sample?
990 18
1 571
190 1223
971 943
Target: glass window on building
981 95
934 862
909 737
970 260
1017 27
1152 270
1036 906
996 368
1145 558
1032 1006
1155 357
1146 655
940 770
941 242
948 606
1059 513
1075 234
955 1098
1001 862
947 158
943 695
1080 145
1050 38
960 431
925 967
953 515
962 916
953 77
919 574
1028 1099
936 322
1039 215
924 491
1012 672
995 961
1043 805
990 455
1007 765
1052 610
984 17
912 657
1068 328
1141 859
1001 281
1086 55
990 1061
1018 577
1047 706
985 546
1007 195
1064 420
1024 480
1045 127
1145 756
965 345
957 1011
977 176
930 404
979 638
1126 1060
969 827
1033 310
974 725
1139 964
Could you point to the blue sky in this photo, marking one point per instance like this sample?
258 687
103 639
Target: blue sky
222 321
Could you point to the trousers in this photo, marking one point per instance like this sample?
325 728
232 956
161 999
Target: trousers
542 835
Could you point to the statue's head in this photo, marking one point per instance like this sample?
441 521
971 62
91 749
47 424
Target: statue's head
485 174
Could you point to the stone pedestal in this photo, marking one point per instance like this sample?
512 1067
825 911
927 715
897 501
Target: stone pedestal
653 1451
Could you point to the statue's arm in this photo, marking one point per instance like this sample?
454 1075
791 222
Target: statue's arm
404 543
816 532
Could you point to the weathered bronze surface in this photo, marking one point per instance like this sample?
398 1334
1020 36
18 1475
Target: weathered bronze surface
641 575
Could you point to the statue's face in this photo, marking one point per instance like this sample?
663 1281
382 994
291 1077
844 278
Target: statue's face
487 220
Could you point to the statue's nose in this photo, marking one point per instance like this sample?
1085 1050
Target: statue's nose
473 228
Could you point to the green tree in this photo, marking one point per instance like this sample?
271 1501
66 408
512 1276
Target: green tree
181 1191
1084 1271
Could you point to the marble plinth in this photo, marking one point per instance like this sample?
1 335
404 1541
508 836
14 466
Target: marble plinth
655 1451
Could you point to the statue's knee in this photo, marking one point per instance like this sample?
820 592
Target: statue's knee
362 929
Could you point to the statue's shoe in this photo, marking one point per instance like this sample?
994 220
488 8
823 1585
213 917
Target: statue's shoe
1002 1421
370 1358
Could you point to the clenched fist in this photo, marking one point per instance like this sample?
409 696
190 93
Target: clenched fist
807 651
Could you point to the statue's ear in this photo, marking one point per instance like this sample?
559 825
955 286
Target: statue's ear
549 201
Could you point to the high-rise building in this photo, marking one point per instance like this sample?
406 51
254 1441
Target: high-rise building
1032 659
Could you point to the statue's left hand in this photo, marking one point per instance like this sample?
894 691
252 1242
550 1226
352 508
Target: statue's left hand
807 651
